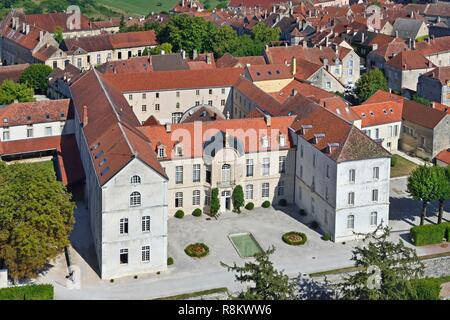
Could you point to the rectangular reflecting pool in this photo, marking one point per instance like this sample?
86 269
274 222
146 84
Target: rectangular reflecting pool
245 244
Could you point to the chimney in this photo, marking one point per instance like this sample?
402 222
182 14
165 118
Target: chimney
332 146
208 58
433 104
194 54
24 27
183 54
294 66
325 62
85 116
294 92
374 47
396 33
27 30
362 37
168 127
41 35
268 120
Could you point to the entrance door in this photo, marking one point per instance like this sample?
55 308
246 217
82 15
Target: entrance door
225 203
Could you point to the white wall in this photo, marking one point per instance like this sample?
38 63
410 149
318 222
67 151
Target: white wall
39 130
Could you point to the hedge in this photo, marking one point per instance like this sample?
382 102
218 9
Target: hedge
429 234
170 261
197 212
426 289
197 250
179 214
266 204
29 292
294 238
249 206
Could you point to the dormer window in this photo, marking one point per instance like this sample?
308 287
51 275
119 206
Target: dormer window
161 151
384 111
391 110
5 120
178 150
371 113
47 116
363 115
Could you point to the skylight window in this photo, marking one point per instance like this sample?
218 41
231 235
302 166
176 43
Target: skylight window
105 171
102 162
98 155
371 113
363 115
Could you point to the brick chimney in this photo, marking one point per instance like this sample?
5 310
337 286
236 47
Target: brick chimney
268 120
85 116
294 66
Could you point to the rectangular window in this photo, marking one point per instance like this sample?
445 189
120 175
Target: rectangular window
374 218
266 166
351 198
144 96
144 108
178 94
99 58
375 195
196 198
396 130
249 192
280 188
197 92
146 224
79 63
377 133
130 97
176 117
178 199
179 174
265 190
30 132
207 198
376 173
196 173
48 131
301 151
351 175
314 160
210 91
223 90
249 164
5 135
350 221
391 131
301 172
282 165
157 107
145 253
197 103
123 256
222 102
123 228
210 102
109 56
157 95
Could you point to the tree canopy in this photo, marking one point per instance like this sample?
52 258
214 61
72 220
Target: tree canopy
238 198
268 283
371 82
36 77
387 270
11 91
442 194
36 217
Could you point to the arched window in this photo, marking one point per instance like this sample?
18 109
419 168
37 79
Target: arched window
135 180
135 199
226 173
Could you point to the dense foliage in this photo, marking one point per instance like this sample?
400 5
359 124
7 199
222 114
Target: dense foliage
387 269
35 76
36 217
238 198
179 214
266 204
215 203
429 234
197 212
267 283
10 91
249 206
29 292
371 82
294 238
197 250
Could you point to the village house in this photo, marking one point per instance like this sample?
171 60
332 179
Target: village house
435 85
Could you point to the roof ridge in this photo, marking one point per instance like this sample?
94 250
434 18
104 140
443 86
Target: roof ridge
133 151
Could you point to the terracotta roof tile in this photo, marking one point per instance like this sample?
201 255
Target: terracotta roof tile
422 115
373 114
444 156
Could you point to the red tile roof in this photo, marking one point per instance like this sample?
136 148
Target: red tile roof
17 114
383 96
430 47
444 156
422 115
228 61
111 132
194 147
49 21
269 72
442 74
373 114
410 60
185 79
65 146
12 72
109 41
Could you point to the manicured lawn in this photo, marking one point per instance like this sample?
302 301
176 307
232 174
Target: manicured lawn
403 167
29 292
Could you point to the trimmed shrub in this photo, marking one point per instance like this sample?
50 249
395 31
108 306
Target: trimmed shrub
294 238
197 250
266 204
29 292
170 261
326 237
282 202
249 206
426 289
447 231
179 214
428 234
197 212
314 225
303 212
393 161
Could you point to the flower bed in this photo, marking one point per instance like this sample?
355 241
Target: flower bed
197 250
294 238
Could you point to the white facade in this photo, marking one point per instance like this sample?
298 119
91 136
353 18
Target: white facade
388 134
36 130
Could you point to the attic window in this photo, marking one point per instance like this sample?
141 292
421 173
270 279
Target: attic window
270 72
62 114
178 151
95 146
278 71
47 116
105 171
5 120
102 162
28 118
384 111
98 155
265 141
363 115
161 152
391 110
371 113
258 73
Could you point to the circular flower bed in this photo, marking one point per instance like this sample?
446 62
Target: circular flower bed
197 250
294 238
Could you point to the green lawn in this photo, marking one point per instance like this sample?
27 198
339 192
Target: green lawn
403 167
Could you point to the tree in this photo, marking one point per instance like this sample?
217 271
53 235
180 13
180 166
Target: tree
238 198
387 270
442 175
166 47
58 34
263 33
224 40
371 82
36 217
10 91
36 77
422 185
215 203
269 283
